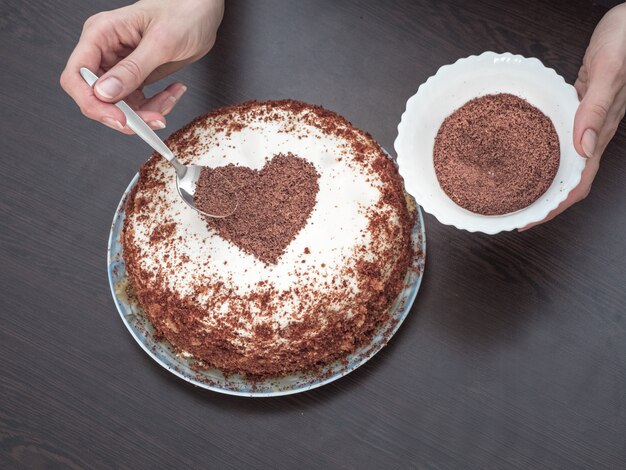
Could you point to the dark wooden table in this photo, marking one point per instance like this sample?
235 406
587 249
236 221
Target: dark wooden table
514 355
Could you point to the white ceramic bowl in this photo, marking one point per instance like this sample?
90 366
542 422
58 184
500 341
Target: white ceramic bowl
454 85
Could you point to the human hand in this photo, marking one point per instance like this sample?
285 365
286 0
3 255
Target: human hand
601 87
138 45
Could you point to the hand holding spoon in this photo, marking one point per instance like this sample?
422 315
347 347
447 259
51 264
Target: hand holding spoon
186 175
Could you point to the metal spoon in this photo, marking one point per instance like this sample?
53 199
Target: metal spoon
186 175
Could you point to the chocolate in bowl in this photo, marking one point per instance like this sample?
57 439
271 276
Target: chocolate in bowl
496 154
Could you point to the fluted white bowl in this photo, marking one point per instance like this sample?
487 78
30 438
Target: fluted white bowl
452 86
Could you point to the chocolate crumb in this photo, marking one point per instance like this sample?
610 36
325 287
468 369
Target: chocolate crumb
275 203
162 232
496 154
215 195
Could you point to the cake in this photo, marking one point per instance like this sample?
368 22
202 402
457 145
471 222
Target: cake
496 154
315 285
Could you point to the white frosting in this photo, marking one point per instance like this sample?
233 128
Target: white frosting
336 227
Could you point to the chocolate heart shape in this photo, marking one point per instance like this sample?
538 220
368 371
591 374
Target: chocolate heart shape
274 203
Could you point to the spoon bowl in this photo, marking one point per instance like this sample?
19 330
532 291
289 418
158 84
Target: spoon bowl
186 186
186 175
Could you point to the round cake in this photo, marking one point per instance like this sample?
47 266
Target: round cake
306 269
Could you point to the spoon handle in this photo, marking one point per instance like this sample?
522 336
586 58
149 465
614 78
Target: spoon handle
134 122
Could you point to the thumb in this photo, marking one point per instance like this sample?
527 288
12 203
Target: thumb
591 116
129 73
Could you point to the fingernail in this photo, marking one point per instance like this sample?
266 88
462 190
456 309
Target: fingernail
112 123
109 88
172 100
168 105
158 124
589 142
181 91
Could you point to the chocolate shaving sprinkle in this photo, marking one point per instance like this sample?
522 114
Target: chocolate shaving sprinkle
276 202
496 154
215 194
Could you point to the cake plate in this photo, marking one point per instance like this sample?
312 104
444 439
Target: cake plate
162 352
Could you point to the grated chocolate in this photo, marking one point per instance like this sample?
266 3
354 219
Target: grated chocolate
496 154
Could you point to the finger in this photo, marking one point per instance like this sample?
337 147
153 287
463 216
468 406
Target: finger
609 130
127 131
135 99
549 217
581 88
611 124
153 110
581 82
583 74
88 54
129 73
155 120
577 194
592 114
153 117
574 196
164 101
169 68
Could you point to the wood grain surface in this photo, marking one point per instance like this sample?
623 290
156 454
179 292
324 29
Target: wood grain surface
514 354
